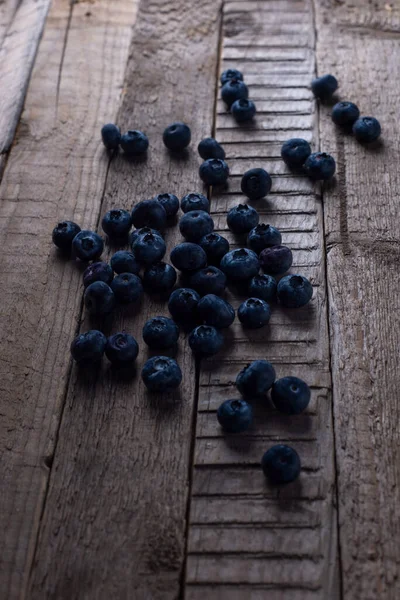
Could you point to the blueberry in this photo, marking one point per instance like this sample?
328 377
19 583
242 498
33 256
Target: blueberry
99 298
294 291
149 213
98 271
367 129
235 416
234 89
111 136
295 152
281 464
124 262
242 218
182 305
195 224
63 234
263 287
169 202
88 348
137 233
121 348
263 236
159 278
160 332
256 379
320 165
177 136
240 264
127 288
213 310
215 246
195 201
161 374
324 87
230 74
345 113
254 313
290 395
214 171
87 245
209 280
276 260
243 110
134 142
210 148
205 340
256 183
116 223
188 257
149 249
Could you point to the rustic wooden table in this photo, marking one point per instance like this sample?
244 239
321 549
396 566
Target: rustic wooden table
106 493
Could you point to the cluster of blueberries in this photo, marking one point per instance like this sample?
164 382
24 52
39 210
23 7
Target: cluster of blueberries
235 94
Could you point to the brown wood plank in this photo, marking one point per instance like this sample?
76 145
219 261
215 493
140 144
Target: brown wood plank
361 221
56 170
121 468
270 543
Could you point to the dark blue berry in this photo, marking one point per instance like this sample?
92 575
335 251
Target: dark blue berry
256 379
281 464
295 152
276 260
182 305
294 291
188 257
324 87
242 218
127 288
214 171
87 245
213 310
256 183
234 89
320 165
134 142
230 74
170 203
161 374
215 246
124 261
149 249
99 298
235 416
121 348
63 234
111 136
345 113
149 213
116 223
243 110
263 287
137 233
160 332
205 340
195 224
88 348
263 236
210 148
177 136
254 313
98 271
366 129
209 280
290 395
195 201
159 278
240 264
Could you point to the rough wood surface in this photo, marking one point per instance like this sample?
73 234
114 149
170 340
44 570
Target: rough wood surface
361 222
56 170
247 539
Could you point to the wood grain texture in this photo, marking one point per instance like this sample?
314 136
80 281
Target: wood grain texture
361 221
56 170
114 524
248 539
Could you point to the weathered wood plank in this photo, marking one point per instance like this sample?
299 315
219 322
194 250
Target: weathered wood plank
56 170
361 221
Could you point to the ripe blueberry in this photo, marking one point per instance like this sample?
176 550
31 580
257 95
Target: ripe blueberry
182 305
324 87
367 129
295 152
134 142
205 340
195 224
234 89
87 245
256 183
263 287
98 271
243 110
121 349
276 260
124 262
240 264
214 171
88 348
320 165
161 374
209 280
210 148
188 257
127 288
230 74
235 416
99 298
242 218
263 236
215 246
290 395
294 291
345 113
137 233
116 223
111 136
159 278
256 379
149 249
281 464
160 332
195 201
177 136
254 313
63 234
213 310
169 202
149 213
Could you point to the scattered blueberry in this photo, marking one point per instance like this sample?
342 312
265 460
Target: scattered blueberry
276 260
87 245
263 287
210 148
214 171
295 152
121 349
281 464
294 291
177 136
159 278
195 224
345 113
205 340
149 213
127 288
116 223
215 246
256 379
195 201
137 233
234 89
98 271
63 234
169 202
182 305
209 280
263 236
99 298
240 264
161 374
111 136
254 313
149 249
242 218
124 261
230 74
320 165
256 183
324 87
235 416
290 395
213 310
134 142
88 348
188 257
160 332
243 110
367 129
